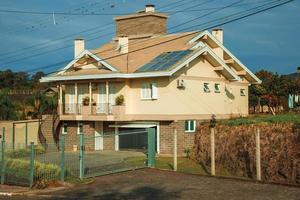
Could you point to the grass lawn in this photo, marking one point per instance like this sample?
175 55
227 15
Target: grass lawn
183 164
261 119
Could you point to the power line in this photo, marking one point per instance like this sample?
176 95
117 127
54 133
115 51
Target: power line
43 24
64 47
208 27
52 42
47 43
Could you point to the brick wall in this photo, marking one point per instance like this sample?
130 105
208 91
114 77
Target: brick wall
72 138
184 140
141 25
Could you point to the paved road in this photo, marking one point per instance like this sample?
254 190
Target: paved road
150 184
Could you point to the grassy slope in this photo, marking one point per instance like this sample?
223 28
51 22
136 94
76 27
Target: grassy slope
259 119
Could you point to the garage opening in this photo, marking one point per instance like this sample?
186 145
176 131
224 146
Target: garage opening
136 139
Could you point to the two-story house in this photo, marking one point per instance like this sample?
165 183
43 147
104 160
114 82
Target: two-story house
166 81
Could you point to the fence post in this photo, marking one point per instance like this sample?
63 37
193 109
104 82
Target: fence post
212 150
26 134
2 156
175 150
31 168
62 158
151 147
81 154
13 136
258 164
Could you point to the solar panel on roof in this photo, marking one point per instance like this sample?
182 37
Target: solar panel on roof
164 61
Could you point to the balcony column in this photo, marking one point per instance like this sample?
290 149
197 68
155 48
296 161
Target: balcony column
76 99
90 92
60 101
107 96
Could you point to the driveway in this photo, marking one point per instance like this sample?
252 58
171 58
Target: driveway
151 184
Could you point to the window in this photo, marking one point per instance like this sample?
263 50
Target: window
190 126
149 91
65 128
80 128
217 88
206 87
242 92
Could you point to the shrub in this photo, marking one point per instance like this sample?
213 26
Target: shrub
44 173
18 153
39 149
25 152
120 100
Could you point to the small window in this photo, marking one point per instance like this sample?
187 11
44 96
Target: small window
65 128
190 126
206 87
217 88
242 92
80 128
149 91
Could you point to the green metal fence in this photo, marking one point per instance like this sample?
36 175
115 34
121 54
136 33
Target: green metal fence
32 165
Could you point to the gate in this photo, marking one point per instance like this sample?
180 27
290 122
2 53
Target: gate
100 153
32 165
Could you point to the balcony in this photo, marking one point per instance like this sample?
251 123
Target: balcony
100 111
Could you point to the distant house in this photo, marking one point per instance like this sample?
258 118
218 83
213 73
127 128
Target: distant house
165 79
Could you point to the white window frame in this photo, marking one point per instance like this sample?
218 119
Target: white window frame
63 128
149 91
78 128
189 126
206 88
243 92
217 85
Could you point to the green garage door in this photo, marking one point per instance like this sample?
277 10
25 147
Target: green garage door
135 138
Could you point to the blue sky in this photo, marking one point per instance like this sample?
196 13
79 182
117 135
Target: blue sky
269 40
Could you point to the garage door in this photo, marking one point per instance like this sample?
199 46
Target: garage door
133 138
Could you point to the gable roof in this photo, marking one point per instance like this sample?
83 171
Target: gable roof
153 56
226 71
238 62
87 52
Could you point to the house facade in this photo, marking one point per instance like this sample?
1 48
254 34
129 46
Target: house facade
145 77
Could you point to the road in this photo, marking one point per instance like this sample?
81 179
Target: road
151 184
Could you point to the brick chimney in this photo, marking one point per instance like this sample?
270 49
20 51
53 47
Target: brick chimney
146 22
78 46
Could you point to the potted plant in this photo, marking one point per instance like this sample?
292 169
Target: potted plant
120 100
86 101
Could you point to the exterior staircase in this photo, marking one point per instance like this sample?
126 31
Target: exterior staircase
48 134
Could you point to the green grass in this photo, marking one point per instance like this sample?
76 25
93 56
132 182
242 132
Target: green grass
183 164
263 119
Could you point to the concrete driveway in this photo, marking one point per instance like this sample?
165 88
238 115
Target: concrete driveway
151 184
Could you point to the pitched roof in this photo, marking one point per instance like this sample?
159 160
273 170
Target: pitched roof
164 61
142 51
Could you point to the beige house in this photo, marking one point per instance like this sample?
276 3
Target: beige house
167 81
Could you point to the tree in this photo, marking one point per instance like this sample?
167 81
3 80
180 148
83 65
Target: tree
8 108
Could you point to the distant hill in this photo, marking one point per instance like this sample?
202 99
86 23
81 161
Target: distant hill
294 75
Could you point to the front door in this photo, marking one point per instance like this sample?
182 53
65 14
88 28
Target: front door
98 136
